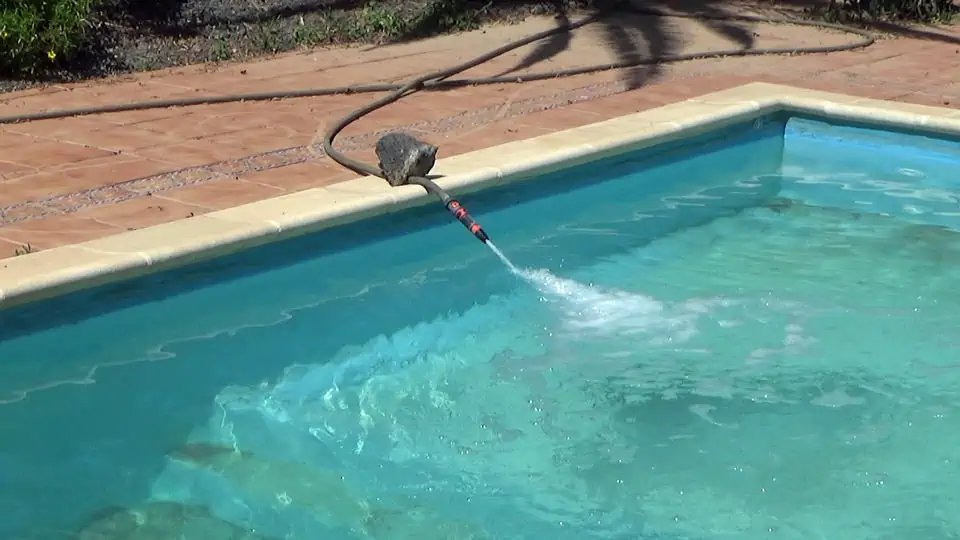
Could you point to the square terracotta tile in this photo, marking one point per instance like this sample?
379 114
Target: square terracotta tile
195 153
364 153
65 129
263 140
471 97
88 175
301 176
136 118
924 98
141 212
126 90
114 170
36 187
20 94
621 104
9 137
9 170
56 231
124 138
14 249
853 88
396 116
44 153
298 121
560 118
220 194
183 125
487 136
69 98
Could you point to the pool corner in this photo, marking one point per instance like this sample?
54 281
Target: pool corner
48 273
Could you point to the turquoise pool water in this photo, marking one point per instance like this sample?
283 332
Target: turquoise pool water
748 336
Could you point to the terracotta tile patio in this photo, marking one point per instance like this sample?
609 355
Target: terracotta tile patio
70 180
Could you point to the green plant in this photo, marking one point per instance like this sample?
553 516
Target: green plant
387 21
311 32
445 16
38 33
377 22
269 38
220 51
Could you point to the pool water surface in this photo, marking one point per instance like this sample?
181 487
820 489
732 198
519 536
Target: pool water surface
749 336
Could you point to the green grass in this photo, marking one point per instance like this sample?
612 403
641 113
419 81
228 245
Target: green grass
385 22
37 33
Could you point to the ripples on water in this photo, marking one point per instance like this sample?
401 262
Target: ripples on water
786 373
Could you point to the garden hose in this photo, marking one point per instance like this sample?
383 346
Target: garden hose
439 80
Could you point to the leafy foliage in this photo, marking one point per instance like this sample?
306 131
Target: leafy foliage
37 33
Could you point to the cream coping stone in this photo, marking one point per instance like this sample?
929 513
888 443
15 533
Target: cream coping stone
64 269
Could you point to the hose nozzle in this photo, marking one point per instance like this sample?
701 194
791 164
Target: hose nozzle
467 220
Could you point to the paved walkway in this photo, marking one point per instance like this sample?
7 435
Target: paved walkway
71 180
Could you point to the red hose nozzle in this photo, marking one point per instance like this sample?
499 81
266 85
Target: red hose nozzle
467 220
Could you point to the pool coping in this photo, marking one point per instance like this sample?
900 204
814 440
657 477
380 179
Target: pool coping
60 270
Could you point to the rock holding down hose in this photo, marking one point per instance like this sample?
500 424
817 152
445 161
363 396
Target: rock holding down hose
405 159
402 155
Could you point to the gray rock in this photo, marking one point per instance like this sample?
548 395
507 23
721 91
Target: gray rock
402 155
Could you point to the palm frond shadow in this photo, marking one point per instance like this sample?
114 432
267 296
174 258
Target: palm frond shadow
549 47
638 32
631 32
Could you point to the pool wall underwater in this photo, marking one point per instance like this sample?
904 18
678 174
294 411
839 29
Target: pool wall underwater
780 146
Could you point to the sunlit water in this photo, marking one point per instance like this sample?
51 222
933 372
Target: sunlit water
770 378
787 370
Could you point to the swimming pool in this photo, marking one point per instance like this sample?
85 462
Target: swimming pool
743 335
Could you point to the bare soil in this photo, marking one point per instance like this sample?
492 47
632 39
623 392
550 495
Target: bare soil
140 35
136 35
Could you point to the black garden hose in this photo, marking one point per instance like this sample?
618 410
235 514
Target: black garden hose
439 80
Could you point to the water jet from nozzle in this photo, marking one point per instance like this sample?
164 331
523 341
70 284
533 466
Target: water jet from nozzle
404 160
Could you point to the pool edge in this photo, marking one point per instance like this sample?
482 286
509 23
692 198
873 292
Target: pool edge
60 270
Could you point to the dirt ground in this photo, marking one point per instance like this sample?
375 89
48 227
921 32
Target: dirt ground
136 35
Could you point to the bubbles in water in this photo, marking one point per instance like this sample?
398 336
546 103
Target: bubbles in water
595 310
759 417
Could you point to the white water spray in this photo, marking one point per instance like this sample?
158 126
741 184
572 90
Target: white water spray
542 279
593 309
